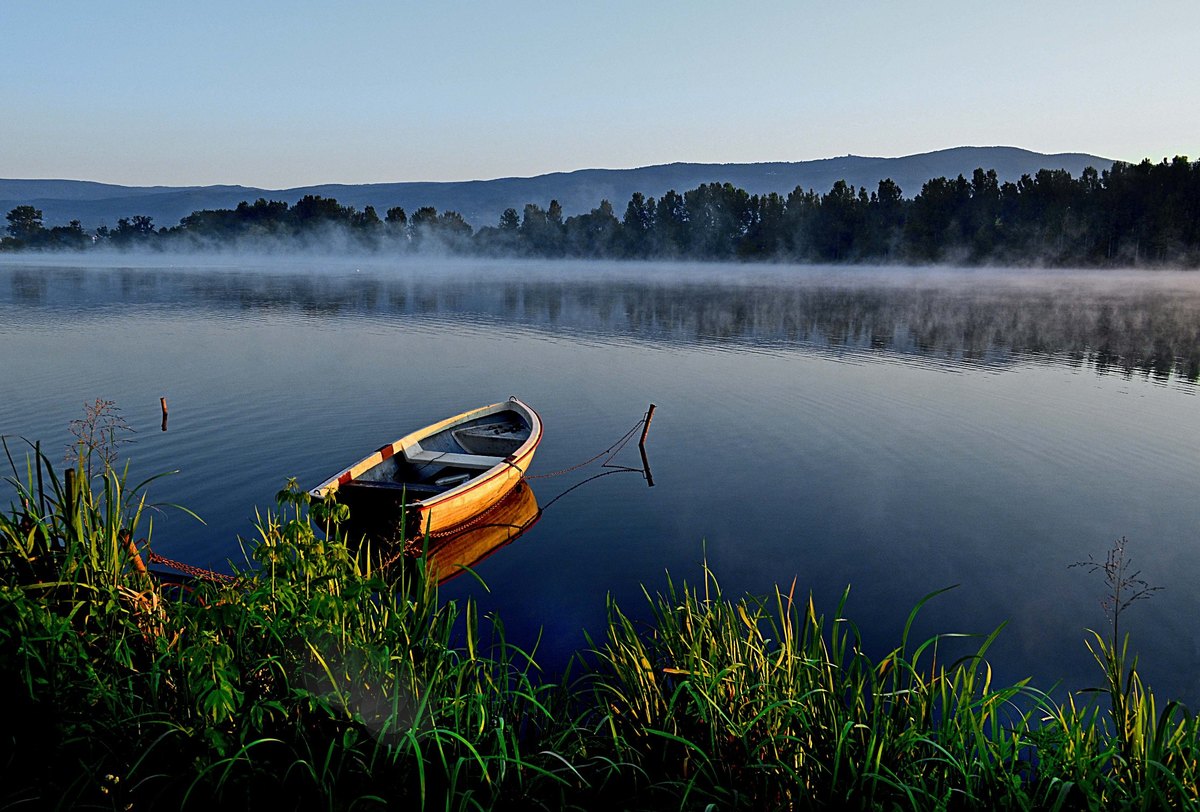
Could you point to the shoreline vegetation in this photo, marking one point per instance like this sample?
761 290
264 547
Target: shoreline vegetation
316 680
1145 214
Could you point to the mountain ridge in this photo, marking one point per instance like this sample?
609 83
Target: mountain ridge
481 201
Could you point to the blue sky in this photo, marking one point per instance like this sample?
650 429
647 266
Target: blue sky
280 94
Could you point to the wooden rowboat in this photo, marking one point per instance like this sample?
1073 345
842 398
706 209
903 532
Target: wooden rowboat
442 475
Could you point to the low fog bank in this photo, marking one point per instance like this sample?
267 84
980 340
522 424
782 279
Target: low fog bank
438 265
1119 321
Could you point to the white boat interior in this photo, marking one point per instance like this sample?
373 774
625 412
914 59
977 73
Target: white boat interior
450 457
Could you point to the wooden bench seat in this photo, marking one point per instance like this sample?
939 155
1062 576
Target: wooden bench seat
475 461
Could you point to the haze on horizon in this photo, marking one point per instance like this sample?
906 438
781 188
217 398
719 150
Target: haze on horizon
279 95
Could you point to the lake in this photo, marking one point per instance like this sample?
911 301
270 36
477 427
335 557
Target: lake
893 430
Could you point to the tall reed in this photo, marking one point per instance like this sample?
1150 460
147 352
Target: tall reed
751 700
317 679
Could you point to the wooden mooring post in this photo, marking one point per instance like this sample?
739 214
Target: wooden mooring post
642 447
646 425
163 402
69 487
131 548
37 455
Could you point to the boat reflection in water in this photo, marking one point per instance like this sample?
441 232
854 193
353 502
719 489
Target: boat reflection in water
450 552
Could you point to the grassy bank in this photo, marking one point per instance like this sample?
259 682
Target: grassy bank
316 680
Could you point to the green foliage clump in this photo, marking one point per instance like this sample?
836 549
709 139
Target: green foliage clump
763 699
308 679
312 678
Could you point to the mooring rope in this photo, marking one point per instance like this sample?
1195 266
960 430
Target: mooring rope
611 451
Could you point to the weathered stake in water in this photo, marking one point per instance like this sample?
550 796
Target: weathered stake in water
642 447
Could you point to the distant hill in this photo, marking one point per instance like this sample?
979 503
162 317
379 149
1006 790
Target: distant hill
482 201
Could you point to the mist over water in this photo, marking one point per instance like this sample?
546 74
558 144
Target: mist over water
1139 321
899 430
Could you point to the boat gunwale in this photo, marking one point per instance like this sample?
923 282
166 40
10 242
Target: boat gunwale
518 459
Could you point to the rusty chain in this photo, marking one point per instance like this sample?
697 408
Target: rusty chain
189 569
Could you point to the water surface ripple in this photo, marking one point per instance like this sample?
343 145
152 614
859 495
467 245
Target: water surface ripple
895 430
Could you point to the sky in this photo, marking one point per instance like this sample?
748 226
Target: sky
283 94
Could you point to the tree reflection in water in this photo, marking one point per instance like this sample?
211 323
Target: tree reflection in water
1139 323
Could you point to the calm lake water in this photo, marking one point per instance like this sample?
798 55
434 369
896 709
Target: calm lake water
893 430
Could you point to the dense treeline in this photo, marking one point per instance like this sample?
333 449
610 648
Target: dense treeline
1131 214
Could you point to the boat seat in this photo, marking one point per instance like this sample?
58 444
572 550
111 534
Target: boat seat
418 489
477 461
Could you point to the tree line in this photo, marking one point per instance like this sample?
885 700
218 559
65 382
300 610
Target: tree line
1145 213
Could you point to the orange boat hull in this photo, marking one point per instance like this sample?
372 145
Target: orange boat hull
445 512
474 482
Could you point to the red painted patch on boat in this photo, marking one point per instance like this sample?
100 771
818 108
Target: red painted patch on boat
344 478
387 451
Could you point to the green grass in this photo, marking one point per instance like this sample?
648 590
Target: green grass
317 680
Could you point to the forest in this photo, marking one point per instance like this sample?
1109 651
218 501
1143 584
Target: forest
1144 214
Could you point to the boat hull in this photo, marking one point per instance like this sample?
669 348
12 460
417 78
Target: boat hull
398 474
444 512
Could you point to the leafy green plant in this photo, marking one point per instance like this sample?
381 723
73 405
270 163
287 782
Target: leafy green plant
317 678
